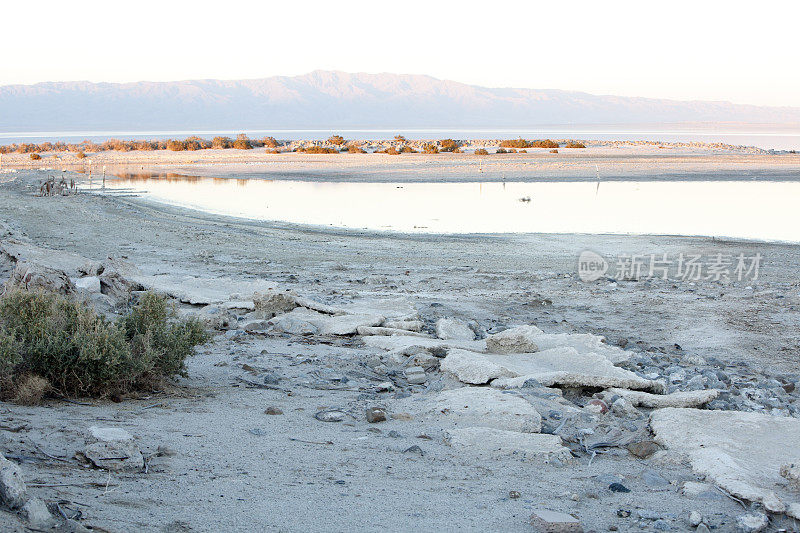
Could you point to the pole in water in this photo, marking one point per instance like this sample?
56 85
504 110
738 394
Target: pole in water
597 190
104 176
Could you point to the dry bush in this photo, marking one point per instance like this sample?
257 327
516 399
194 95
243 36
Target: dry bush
221 143
449 145
501 151
399 138
353 149
30 389
575 145
35 156
269 142
406 149
271 151
338 140
175 145
553 151
318 150
77 352
430 149
242 142
481 151
516 143
80 155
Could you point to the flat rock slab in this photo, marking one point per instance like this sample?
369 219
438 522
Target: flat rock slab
479 407
584 343
402 342
557 366
453 328
533 446
113 449
741 452
331 324
379 330
392 309
677 399
546 521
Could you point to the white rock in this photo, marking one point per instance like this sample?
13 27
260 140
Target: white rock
32 276
37 514
400 342
566 367
752 523
113 449
695 519
676 399
415 375
583 343
293 325
521 339
546 521
408 325
88 284
254 325
378 330
13 492
533 446
695 488
271 303
791 472
742 452
481 407
454 329
332 324
472 367
393 309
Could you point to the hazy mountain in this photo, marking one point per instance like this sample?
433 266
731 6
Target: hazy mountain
330 100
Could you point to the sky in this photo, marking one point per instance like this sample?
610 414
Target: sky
743 52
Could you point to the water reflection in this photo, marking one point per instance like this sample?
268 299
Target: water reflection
753 210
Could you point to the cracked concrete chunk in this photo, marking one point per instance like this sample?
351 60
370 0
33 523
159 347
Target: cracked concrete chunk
533 446
676 399
741 452
113 449
480 407
453 328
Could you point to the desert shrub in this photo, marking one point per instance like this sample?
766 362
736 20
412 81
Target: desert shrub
353 149
175 146
430 149
338 140
273 151
242 144
481 151
523 151
220 143
449 145
406 149
269 142
399 138
318 150
35 156
553 151
501 151
575 145
516 143
546 143
51 341
80 155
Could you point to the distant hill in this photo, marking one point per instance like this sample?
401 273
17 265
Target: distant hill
330 100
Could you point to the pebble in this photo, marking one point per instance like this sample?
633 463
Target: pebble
330 415
376 414
272 410
415 375
415 450
752 523
695 518
618 487
643 449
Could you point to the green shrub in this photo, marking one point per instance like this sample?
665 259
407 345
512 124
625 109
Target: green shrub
35 157
481 151
81 353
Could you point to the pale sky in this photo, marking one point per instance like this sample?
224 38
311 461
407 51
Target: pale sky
744 52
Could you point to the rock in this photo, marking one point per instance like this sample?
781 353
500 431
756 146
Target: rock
254 325
694 489
702 528
676 399
661 525
622 407
583 343
376 414
293 325
791 472
393 309
13 492
113 449
643 449
88 284
408 325
652 478
697 383
215 317
415 450
752 523
567 368
482 407
695 519
117 287
331 324
272 410
32 276
91 268
37 514
597 407
403 342
742 452
271 303
385 386
330 415
547 521
521 339
618 487
415 375
473 368
453 328
378 330
532 446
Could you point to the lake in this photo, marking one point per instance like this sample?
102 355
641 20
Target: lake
760 210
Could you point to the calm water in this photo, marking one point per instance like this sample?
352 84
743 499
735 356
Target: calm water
777 138
750 210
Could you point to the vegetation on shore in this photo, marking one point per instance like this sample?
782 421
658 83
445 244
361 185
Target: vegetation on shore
52 343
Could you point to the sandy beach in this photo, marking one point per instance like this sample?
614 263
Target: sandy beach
218 462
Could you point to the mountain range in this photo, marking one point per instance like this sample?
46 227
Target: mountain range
332 99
